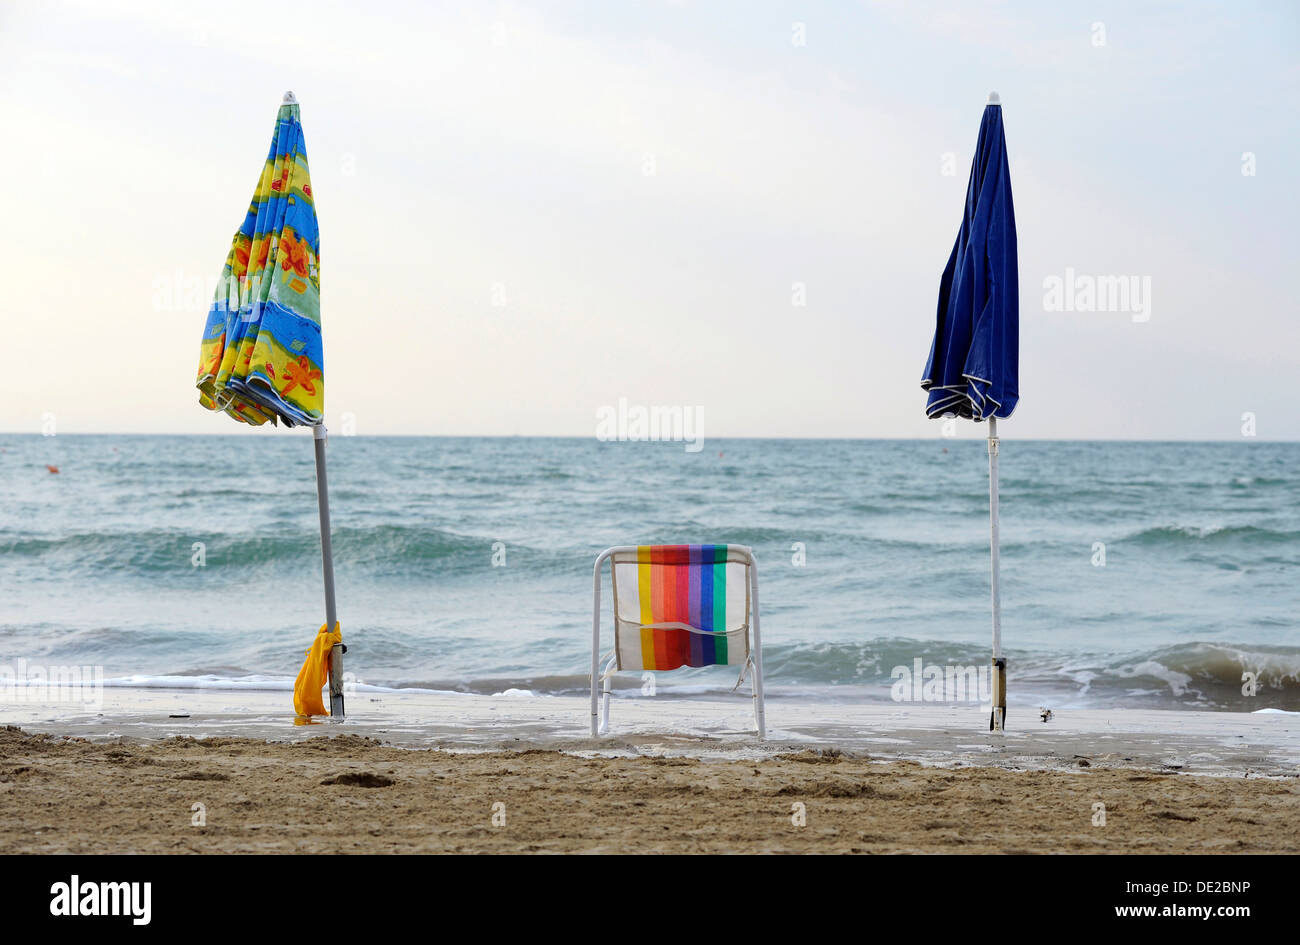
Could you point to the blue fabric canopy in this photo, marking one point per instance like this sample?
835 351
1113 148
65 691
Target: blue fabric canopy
973 369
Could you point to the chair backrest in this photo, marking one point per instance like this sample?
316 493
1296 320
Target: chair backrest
681 605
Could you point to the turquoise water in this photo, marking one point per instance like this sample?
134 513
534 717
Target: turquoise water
1201 579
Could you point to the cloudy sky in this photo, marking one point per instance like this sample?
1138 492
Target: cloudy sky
531 210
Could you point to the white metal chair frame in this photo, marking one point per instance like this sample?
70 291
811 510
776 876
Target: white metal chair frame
599 724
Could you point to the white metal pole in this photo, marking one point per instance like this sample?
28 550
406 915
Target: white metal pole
327 568
595 648
607 683
993 535
760 715
999 712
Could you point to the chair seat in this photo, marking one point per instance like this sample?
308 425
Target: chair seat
672 646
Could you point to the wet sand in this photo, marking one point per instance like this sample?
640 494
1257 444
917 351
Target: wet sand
345 793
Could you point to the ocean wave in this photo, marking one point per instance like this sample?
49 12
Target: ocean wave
1184 676
1245 535
1248 482
1217 669
1192 675
390 550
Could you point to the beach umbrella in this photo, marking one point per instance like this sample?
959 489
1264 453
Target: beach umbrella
973 368
260 358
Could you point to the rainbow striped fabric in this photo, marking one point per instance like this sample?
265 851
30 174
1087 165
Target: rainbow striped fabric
681 605
261 358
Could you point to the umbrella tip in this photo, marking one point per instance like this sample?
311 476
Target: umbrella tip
993 99
289 99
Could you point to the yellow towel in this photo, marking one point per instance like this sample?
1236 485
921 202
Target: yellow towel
314 673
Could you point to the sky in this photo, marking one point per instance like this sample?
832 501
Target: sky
530 212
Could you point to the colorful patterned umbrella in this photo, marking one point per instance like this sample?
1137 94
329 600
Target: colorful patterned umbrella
261 359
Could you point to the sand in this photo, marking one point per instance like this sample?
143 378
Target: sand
346 793
421 773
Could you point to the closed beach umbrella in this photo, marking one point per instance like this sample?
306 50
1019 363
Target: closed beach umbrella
260 358
972 371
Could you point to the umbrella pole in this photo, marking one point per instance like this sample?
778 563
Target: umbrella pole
998 717
327 564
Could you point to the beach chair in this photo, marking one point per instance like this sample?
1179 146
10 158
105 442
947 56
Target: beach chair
674 606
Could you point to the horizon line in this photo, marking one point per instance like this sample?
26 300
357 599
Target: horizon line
561 436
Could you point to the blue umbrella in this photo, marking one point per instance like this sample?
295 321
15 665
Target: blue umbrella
973 368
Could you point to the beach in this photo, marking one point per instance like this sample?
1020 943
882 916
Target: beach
1148 604
513 773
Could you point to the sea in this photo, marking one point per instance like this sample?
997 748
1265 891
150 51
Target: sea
1133 574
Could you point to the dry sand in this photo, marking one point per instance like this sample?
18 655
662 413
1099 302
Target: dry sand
353 794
